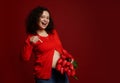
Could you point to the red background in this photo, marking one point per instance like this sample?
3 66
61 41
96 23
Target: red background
88 29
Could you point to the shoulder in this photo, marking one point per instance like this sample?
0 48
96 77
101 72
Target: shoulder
54 31
28 36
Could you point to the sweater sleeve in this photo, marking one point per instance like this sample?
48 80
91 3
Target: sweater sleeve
64 51
27 49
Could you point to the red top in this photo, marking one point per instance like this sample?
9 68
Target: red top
43 52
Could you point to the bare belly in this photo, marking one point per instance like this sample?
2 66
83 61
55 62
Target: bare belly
56 56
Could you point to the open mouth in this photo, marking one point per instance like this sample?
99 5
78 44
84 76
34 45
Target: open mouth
44 23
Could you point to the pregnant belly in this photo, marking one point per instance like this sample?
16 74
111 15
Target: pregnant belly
56 56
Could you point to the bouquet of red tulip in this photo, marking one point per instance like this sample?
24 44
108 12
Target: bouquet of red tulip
67 65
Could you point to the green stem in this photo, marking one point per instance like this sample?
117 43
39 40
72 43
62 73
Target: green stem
76 77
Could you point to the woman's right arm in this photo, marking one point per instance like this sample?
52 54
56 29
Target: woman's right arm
27 49
28 46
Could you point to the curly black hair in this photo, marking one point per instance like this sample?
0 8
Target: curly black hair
33 18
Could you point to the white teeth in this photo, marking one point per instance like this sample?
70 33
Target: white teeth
44 23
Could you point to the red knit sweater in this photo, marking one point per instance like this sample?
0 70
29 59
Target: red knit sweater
43 52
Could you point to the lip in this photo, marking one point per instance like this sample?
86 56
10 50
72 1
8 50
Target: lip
44 24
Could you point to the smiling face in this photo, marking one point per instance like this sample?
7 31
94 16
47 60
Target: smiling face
44 20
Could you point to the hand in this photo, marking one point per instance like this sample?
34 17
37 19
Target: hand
35 39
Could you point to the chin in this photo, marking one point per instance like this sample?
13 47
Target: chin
43 28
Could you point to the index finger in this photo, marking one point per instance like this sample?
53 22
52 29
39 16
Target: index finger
40 40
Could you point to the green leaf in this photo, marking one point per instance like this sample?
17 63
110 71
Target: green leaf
75 64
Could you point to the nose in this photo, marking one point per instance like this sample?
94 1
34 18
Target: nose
46 19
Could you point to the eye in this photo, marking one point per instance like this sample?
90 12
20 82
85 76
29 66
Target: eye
48 17
42 17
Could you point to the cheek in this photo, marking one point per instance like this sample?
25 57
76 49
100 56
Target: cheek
39 23
48 21
40 20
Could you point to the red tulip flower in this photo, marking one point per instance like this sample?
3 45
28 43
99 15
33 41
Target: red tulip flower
64 65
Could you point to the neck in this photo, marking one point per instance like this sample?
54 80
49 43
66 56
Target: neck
42 32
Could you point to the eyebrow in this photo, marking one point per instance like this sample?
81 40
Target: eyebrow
45 15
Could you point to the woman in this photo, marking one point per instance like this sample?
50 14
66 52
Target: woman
43 42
